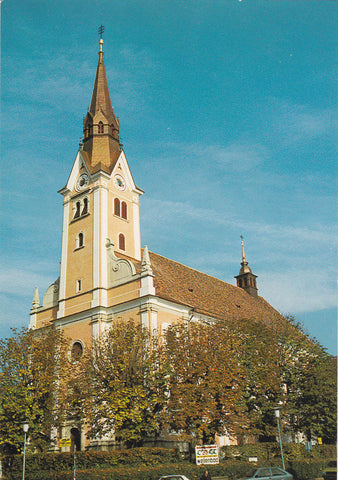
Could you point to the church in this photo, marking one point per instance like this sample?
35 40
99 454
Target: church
105 274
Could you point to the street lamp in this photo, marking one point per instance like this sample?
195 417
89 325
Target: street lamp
277 412
25 428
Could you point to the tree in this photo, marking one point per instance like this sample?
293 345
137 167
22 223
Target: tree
263 376
205 380
31 365
310 379
124 385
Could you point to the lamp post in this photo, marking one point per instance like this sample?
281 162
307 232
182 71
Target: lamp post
25 428
277 412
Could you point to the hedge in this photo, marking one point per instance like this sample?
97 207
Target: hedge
233 470
193 472
269 452
151 463
52 462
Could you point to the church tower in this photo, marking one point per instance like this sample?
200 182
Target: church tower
100 222
101 201
246 279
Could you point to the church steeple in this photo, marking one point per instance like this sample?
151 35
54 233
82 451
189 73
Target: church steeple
101 145
246 279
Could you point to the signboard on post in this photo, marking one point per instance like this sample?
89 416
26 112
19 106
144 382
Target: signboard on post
64 442
206 455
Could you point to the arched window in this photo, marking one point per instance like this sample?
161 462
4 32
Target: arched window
117 207
124 210
239 282
100 127
85 206
112 129
80 240
77 351
77 209
122 242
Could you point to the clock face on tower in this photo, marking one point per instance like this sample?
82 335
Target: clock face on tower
82 181
119 182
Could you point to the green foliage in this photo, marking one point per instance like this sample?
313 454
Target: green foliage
30 366
263 387
305 469
310 379
151 463
270 452
127 390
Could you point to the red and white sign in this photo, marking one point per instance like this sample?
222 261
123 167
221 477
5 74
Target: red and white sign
206 455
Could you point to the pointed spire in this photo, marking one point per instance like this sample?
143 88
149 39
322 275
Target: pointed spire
100 97
244 264
243 252
101 145
146 265
36 300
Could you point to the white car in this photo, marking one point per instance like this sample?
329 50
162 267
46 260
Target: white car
174 477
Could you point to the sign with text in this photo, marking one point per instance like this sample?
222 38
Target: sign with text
64 442
206 455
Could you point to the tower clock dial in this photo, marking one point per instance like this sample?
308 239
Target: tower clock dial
119 182
82 181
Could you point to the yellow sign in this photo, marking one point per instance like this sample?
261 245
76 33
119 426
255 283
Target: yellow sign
320 441
64 442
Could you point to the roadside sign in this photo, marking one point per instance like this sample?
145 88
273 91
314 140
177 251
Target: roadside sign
64 442
320 441
206 455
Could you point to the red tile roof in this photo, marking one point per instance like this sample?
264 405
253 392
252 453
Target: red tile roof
206 294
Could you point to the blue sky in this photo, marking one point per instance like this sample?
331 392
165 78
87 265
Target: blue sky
227 116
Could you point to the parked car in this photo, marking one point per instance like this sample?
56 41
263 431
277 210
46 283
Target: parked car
174 477
271 473
330 471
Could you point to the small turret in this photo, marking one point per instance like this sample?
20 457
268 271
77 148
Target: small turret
146 266
36 300
246 279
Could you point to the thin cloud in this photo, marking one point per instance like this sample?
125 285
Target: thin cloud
295 123
295 291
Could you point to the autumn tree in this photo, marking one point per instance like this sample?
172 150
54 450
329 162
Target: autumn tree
31 363
205 380
126 387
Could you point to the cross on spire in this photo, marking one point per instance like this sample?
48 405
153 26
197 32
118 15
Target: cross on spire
101 30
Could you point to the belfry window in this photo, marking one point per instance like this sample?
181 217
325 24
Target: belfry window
77 209
117 207
78 285
124 210
122 242
81 208
100 128
85 206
